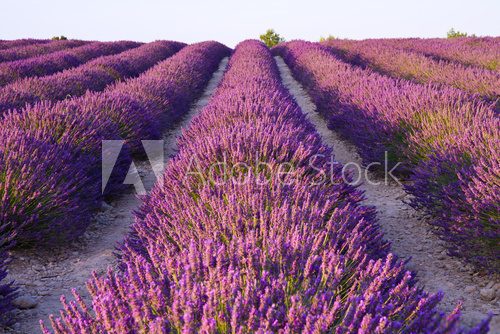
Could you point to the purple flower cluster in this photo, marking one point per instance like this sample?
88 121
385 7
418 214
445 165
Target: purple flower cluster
7 44
448 140
37 49
417 67
94 76
476 51
50 154
58 61
223 257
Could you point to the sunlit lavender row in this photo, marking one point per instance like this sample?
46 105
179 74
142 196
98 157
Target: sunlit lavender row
445 140
418 67
483 52
94 75
8 44
37 49
58 61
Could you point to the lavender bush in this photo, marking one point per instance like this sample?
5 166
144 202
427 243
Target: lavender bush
211 254
37 49
7 44
448 141
72 124
44 190
58 61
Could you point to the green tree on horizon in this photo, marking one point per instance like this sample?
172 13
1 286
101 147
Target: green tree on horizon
328 38
271 38
452 33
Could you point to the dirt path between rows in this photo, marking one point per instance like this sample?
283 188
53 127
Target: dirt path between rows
43 276
406 229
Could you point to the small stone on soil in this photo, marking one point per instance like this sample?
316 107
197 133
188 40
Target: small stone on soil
470 288
25 302
487 294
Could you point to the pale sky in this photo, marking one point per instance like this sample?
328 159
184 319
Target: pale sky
230 21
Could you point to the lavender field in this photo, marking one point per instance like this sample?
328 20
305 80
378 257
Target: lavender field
342 186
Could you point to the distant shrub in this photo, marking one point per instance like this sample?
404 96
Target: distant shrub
271 38
328 38
59 38
455 33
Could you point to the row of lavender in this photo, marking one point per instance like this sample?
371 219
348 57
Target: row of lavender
94 76
221 248
57 146
415 66
7 44
483 51
58 61
15 43
37 49
449 143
